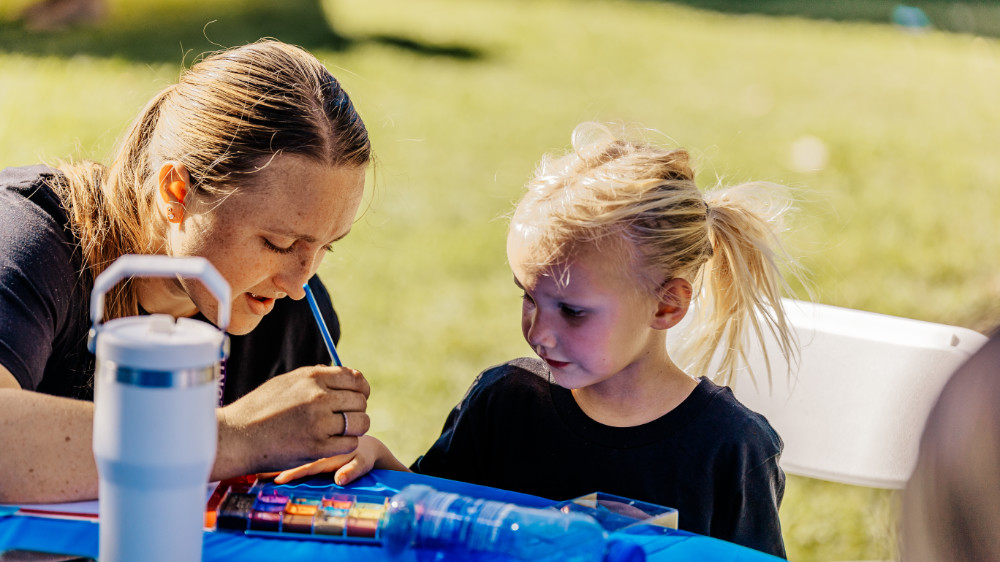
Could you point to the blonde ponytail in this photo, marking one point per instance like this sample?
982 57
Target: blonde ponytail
742 284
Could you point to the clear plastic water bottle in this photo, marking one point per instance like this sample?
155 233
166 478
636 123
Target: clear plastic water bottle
422 519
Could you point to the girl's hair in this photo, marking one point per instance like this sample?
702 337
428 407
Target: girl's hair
228 115
724 242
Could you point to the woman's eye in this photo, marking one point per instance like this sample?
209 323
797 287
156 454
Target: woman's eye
277 249
526 299
570 312
328 248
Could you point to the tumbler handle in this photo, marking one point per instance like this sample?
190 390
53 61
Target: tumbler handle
131 265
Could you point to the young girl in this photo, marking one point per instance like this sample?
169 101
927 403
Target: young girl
610 245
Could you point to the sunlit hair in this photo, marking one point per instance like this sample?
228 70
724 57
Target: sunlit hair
725 242
228 115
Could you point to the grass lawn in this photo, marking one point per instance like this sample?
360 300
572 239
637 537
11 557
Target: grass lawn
888 139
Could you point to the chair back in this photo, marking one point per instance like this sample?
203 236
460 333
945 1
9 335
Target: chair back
855 408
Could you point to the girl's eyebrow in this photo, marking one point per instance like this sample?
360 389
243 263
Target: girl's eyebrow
518 283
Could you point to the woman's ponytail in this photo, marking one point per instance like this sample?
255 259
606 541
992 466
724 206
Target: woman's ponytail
104 206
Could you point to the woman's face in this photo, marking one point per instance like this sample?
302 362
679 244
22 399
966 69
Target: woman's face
269 238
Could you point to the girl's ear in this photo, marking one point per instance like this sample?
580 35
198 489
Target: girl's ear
674 299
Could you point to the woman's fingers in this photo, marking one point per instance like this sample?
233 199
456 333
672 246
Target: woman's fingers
309 413
344 378
352 423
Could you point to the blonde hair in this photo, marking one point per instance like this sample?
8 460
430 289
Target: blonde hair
725 242
226 117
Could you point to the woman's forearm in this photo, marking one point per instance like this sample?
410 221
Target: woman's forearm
46 453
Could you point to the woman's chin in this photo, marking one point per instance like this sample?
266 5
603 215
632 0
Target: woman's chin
243 324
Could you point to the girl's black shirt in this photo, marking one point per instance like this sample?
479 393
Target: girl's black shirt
711 458
45 304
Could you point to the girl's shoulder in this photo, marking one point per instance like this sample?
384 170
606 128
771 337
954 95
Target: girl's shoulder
515 378
725 416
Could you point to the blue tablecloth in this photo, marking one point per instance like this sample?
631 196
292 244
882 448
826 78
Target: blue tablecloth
81 537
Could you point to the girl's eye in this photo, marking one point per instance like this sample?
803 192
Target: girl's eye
571 312
270 246
526 299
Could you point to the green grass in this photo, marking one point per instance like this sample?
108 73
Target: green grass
462 98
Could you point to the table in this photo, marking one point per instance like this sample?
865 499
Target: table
81 537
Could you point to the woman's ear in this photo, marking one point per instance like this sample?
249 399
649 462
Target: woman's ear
674 300
173 185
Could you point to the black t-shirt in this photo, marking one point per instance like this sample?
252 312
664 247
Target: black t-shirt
711 458
45 304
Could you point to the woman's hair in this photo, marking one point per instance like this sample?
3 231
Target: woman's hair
724 242
228 115
951 504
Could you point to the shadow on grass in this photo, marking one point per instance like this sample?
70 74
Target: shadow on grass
978 17
158 34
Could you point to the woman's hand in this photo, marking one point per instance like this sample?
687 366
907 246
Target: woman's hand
292 419
370 453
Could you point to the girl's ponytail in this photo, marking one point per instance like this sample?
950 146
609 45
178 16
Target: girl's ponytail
742 284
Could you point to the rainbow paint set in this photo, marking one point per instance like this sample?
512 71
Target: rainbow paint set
314 509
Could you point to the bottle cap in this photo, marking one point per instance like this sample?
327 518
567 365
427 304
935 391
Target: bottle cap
624 551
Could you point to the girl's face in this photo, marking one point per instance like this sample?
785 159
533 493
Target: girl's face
269 239
596 325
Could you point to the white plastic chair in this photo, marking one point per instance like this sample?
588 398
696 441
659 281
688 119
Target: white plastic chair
854 410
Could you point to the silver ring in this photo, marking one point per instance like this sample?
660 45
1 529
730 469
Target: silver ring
345 422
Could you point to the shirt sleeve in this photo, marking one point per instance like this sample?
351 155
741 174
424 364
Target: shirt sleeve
756 524
752 516
37 277
458 451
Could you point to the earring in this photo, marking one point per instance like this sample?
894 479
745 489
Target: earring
175 212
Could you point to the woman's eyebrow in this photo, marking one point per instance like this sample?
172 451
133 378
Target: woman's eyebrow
304 237
290 234
518 283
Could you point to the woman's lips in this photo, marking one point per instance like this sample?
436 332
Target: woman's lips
259 305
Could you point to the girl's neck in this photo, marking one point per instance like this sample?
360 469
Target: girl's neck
639 394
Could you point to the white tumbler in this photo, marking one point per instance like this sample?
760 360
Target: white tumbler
154 417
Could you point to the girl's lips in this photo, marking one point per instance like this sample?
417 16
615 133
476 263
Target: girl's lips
556 364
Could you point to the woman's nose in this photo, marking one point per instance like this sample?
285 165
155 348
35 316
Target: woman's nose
295 273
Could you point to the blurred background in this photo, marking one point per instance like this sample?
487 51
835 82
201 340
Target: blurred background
882 118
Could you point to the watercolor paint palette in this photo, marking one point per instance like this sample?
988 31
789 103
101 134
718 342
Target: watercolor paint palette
296 511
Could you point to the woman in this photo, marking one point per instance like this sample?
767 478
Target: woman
256 161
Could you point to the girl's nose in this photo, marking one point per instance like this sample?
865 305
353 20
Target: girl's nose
539 333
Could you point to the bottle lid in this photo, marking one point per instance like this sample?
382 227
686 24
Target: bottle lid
158 343
624 551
